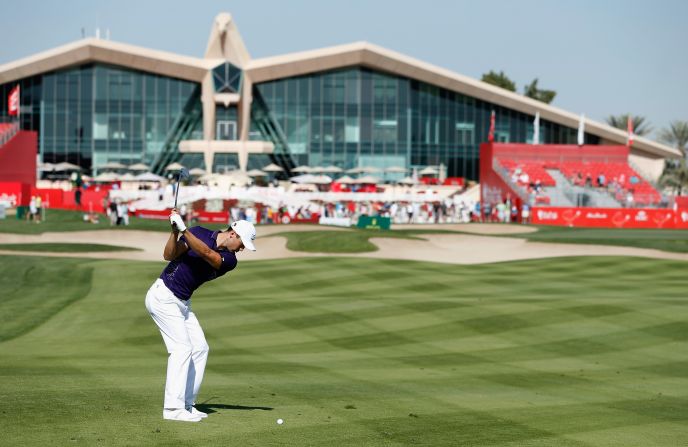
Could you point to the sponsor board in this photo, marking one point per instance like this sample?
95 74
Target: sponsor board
611 217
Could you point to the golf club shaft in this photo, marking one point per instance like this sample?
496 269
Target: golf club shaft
176 193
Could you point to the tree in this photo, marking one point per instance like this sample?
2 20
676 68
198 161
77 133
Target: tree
640 125
500 80
532 91
676 135
675 175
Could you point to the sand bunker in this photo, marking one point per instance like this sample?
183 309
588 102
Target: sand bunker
446 248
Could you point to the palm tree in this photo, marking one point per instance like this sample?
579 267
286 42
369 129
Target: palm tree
500 80
640 125
675 175
532 91
676 135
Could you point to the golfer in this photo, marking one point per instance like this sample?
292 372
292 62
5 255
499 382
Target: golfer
198 256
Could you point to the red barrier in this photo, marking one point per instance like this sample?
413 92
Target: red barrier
16 193
221 217
611 217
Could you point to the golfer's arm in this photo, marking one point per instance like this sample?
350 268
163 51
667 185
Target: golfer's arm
173 247
211 257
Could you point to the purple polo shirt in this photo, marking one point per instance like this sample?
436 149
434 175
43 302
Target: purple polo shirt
186 273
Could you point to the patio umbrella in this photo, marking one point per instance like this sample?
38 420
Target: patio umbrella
354 171
64 166
139 167
369 170
112 165
149 177
407 181
174 167
197 171
128 177
272 168
346 179
368 179
429 171
106 177
256 173
46 166
396 169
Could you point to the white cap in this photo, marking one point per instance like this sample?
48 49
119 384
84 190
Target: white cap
246 231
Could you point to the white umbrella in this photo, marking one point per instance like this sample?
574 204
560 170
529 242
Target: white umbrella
112 165
368 179
174 167
197 171
64 166
46 166
317 169
272 168
310 178
149 177
396 169
369 170
302 169
354 171
139 167
106 177
429 171
407 181
346 179
256 173
128 177
332 169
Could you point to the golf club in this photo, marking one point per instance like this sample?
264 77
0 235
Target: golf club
183 174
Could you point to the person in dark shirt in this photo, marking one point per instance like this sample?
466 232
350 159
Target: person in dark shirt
197 256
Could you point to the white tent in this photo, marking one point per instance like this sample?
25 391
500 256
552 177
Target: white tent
174 167
272 168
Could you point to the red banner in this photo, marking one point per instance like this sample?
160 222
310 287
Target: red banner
611 217
13 102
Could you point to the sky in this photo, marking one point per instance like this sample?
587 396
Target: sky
601 57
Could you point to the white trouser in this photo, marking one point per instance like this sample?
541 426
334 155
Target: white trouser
185 343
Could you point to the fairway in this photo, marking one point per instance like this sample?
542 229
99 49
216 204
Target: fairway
553 352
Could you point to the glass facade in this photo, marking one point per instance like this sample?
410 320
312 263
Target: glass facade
359 117
93 114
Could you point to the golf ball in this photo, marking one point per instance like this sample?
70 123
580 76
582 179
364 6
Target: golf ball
280 421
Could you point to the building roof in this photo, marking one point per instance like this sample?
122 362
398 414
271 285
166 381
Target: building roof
92 50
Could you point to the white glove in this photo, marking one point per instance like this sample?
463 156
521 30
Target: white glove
177 222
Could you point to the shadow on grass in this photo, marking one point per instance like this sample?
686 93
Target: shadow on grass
212 408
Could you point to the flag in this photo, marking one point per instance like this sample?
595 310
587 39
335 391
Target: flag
13 102
631 135
490 135
581 130
536 128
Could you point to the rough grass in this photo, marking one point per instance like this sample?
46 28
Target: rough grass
565 352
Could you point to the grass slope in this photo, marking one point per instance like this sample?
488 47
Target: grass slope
65 247
566 352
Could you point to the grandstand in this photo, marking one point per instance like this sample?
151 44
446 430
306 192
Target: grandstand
569 175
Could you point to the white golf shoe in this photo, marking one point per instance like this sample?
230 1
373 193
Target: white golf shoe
195 412
180 415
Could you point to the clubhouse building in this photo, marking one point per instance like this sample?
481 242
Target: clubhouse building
96 101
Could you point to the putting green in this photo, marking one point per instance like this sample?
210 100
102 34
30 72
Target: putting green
565 352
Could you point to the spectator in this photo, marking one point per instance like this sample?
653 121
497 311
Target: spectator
525 214
39 207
